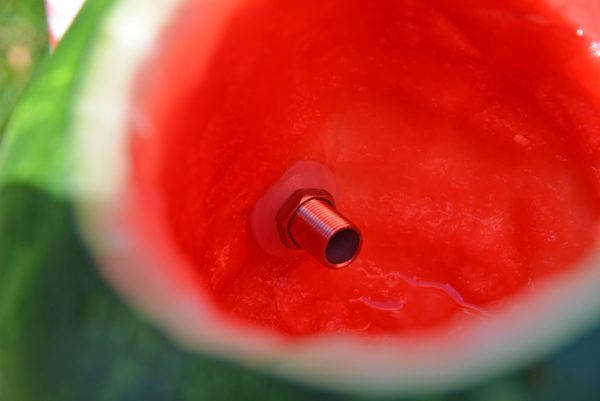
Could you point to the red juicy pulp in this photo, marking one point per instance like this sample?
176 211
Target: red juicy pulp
463 135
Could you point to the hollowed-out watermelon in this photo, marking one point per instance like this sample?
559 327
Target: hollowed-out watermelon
464 138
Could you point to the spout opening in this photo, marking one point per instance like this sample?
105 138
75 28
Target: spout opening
343 247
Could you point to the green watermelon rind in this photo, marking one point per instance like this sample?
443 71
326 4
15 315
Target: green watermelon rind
64 334
339 362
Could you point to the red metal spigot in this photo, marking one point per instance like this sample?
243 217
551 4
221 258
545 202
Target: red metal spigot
310 221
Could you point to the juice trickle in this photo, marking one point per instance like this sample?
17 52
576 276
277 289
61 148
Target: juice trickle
464 137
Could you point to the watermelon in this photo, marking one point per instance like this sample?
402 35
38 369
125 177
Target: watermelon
463 137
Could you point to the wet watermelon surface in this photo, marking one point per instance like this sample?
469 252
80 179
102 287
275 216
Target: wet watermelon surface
464 138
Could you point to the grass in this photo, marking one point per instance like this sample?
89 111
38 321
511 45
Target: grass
23 42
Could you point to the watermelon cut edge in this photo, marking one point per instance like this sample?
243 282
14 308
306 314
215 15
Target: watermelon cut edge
31 177
337 361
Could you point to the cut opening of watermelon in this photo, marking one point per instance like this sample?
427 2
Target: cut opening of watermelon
464 142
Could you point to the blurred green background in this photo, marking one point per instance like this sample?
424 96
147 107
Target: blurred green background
23 42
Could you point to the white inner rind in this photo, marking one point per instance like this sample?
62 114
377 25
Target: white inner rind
530 329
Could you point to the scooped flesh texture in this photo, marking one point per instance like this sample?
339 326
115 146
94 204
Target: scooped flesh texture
464 138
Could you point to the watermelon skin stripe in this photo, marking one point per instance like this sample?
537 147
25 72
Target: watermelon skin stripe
64 335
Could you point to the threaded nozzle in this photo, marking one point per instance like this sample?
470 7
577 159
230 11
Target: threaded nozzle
332 239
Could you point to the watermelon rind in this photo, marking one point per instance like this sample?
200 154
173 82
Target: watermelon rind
66 334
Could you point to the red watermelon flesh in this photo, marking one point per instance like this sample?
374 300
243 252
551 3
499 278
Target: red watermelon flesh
465 140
